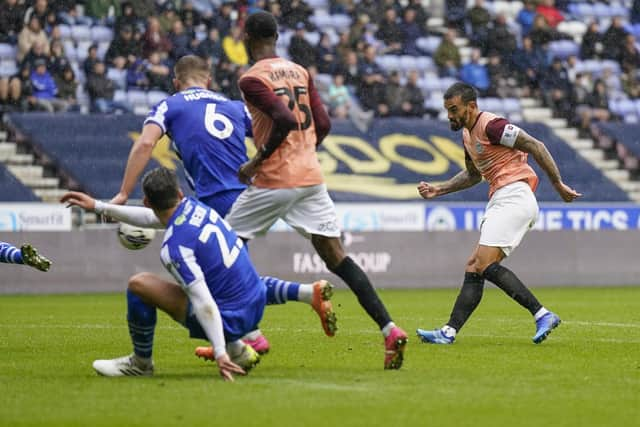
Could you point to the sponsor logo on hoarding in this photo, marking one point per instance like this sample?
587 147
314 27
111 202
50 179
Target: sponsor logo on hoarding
34 217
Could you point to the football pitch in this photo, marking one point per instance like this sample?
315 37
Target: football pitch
586 374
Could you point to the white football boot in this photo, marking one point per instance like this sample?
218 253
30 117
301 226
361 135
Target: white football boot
123 366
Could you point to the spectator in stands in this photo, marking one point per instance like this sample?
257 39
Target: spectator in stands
392 98
300 50
31 33
91 59
413 103
190 17
11 21
158 73
101 90
529 62
447 55
501 40
479 19
37 52
144 8
45 89
613 39
124 50
634 16
630 84
155 40
350 69
69 14
210 48
421 15
598 105
541 33
103 12
137 75
456 12
551 14
629 56
45 14
294 12
582 88
476 74
390 32
234 48
502 84
339 98
557 89
167 17
357 30
57 59
526 16
325 55
181 41
411 32
372 80
67 88
126 17
223 19
367 8
591 42
26 88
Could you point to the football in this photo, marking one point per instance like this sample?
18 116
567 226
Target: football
134 238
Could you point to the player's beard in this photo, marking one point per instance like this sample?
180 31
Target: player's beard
455 125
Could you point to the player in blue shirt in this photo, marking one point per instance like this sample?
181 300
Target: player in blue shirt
27 255
219 295
208 133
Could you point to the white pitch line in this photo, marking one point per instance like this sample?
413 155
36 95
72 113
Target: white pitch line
311 384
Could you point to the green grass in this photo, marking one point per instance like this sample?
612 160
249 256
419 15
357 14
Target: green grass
586 374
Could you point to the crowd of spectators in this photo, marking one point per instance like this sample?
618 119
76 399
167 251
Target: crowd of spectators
509 57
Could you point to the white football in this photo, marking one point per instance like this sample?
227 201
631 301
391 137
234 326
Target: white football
132 237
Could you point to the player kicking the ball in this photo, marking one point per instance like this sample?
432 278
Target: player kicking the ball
27 255
497 151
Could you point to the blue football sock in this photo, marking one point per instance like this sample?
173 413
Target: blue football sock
142 323
280 291
10 254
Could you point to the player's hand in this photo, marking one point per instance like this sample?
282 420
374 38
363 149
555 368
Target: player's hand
567 193
428 191
249 170
227 368
82 200
119 199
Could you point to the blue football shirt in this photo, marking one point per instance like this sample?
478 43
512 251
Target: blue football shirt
208 133
199 244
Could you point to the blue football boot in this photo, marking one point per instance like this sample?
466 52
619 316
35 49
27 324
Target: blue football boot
544 326
435 336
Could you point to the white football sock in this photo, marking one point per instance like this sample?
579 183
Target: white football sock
253 335
540 313
387 329
449 331
305 293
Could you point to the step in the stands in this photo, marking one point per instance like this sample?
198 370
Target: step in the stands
7 149
3 135
51 195
556 123
580 144
35 182
537 114
20 159
567 134
31 171
529 103
617 175
592 154
606 165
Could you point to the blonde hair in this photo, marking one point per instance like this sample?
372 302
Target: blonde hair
191 67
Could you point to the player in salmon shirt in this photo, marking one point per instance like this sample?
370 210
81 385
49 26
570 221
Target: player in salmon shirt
285 179
496 151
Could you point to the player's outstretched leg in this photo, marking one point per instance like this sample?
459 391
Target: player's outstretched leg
395 339
467 301
27 255
506 280
318 295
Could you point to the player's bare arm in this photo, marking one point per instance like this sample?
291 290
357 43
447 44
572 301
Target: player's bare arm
528 144
463 180
138 158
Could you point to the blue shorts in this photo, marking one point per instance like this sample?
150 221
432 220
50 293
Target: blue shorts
222 201
236 323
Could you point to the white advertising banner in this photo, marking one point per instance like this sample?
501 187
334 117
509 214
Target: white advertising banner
34 217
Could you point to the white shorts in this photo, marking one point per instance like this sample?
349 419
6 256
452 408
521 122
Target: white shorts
511 212
309 210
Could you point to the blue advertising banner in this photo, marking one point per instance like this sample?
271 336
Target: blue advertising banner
552 217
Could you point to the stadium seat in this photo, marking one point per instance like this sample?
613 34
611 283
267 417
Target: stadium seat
82 50
100 34
312 37
511 105
7 51
102 49
80 33
137 97
118 76
8 67
155 96
120 96
428 44
340 22
65 31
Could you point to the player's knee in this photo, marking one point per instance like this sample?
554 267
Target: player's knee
474 266
138 283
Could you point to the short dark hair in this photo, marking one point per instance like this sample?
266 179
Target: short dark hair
467 93
160 186
261 25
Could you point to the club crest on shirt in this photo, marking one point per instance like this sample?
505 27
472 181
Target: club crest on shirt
479 147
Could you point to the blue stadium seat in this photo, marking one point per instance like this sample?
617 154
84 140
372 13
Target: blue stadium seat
155 96
136 97
80 32
429 44
8 67
118 76
65 31
101 34
7 51
511 105
12 190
